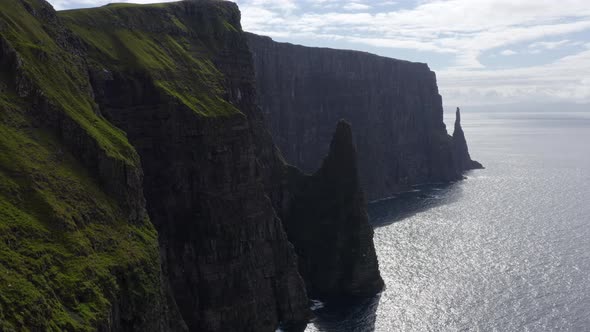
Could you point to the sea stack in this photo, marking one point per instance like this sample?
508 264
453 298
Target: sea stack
461 151
327 223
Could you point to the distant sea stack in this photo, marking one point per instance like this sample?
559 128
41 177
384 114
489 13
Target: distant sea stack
327 222
462 157
394 107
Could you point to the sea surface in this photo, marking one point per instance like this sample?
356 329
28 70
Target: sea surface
508 249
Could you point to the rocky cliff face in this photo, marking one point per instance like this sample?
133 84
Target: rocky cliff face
193 119
327 222
103 107
394 108
77 250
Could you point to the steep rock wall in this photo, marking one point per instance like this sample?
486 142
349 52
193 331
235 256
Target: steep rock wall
77 251
394 108
192 116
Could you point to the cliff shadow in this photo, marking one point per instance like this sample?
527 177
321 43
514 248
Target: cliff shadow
407 204
347 315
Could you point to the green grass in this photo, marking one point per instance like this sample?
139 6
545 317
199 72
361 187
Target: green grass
177 54
65 245
63 242
61 77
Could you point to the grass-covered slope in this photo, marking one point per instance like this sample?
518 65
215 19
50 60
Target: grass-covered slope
56 71
63 243
68 252
164 41
77 252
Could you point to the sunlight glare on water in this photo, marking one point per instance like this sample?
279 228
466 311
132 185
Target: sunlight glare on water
508 249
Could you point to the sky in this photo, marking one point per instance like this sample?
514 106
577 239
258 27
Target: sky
486 53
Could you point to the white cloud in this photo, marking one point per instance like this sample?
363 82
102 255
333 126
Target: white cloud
508 52
564 79
282 5
356 6
387 3
549 45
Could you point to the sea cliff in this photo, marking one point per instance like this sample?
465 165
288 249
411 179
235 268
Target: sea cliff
393 105
139 185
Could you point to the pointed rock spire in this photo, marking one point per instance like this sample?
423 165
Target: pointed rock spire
458 120
327 223
340 165
461 151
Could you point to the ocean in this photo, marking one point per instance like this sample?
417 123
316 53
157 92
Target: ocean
507 249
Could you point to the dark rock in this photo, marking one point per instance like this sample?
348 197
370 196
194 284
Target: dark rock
160 102
223 249
327 222
36 52
225 255
393 105
462 157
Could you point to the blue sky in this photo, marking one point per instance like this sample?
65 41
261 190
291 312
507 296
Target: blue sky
485 52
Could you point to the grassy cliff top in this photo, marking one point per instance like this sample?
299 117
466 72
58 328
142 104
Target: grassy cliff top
176 44
31 28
